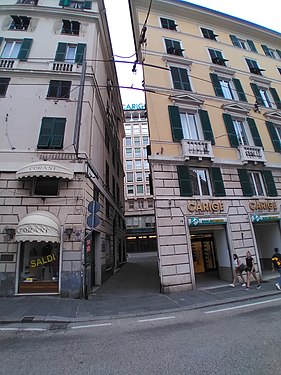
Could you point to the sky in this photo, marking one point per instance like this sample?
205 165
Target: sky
267 14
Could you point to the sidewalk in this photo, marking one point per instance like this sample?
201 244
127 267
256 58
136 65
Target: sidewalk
134 291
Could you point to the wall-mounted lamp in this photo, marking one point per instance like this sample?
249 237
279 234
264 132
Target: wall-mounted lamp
68 232
10 233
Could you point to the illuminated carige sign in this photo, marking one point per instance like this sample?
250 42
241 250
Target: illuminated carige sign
128 107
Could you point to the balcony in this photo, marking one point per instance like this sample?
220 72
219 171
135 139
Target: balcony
252 154
199 149
7 63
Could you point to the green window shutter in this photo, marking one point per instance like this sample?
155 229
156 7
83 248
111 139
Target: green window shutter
252 45
274 136
254 132
279 53
56 140
257 93
61 51
216 84
230 130
87 5
218 184
80 53
175 122
270 184
64 3
245 183
25 49
234 40
265 50
275 97
45 133
180 78
184 181
239 90
206 126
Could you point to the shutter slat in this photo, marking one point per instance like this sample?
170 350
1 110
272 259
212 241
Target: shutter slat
61 51
254 132
216 84
80 53
25 49
184 181
245 183
239 90
175 122
274 136
234 40
252 45
270 184
206 126
275 97
265 50
257 94
230 130
218 184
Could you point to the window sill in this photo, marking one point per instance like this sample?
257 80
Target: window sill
260 79
222 69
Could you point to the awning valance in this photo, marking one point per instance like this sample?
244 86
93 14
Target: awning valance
45 169
38 226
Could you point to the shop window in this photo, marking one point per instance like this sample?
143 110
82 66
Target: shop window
19 23
190 125
254 67
246 44
46 186
51 133
168 24
59 89
217 57
208 34
180 78
4 83
70 27
173 47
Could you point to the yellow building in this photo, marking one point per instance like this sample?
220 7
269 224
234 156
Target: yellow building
212 86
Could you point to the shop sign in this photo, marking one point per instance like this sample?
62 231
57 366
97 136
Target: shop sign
262 205
133 106
41 261
212 206
35 228
195 221
264 218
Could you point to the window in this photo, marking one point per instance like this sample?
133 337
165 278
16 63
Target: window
141 204
240 132
228 88
19 23
271 52
180 78
136 129
208 34
144 152
258 183
254 67
129 164
137 141
46 186
148 189
70 27
128 141
129 152
4 83
200 181
51 133
130 189
173 47
59 89
188 124
274 131
130 176
107 208
139 189
138 164
16 49
131 205
217 57
147 176
75 4
266 96
70 53
243 43
107 174
145 140
137 152
168 24
145 164
139 177
150 203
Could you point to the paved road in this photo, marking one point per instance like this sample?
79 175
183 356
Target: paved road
223 340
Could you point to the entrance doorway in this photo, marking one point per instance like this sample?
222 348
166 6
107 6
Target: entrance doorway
203 251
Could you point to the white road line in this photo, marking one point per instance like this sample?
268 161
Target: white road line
92 325
154 319
22 329
242 306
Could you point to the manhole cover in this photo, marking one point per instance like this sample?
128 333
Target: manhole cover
27 319
58 326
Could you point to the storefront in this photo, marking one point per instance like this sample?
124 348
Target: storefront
39 238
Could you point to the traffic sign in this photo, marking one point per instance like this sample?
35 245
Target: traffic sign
93 220
93 207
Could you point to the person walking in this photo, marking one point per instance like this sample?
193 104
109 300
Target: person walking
276 265
238 268
250 269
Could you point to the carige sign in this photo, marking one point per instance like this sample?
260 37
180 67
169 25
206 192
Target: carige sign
128 107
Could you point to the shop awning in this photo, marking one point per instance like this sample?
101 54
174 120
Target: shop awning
45 169
38 226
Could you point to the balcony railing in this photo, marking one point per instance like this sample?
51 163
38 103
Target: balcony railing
7 63
28 2
251 154
196 148
62 67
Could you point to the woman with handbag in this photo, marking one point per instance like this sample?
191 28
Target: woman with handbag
250 269
238 268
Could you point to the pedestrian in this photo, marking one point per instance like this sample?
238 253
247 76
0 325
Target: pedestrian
238 268
276 265
250 269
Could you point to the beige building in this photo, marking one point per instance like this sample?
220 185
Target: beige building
213 99
61 133
139 205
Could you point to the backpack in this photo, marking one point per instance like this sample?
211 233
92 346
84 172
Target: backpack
276 260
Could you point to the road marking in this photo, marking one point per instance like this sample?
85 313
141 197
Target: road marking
154 319
92 325
242 306
22 329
